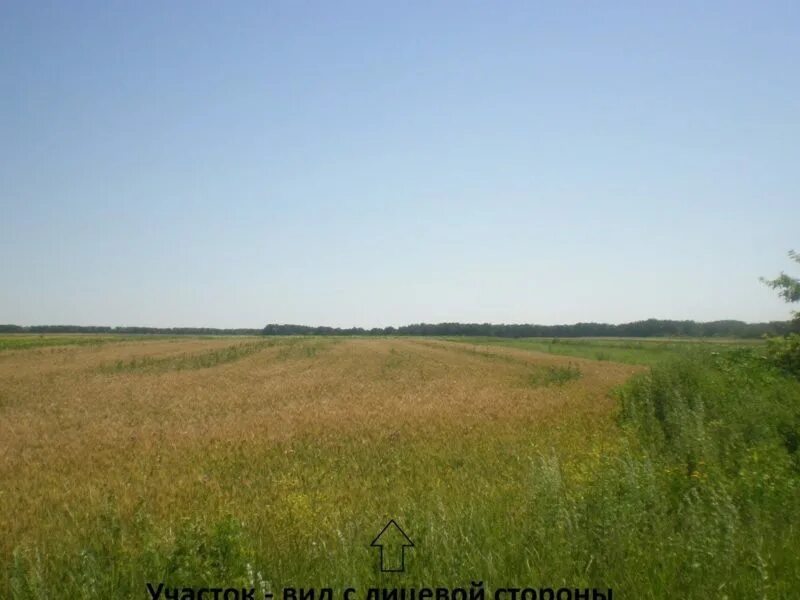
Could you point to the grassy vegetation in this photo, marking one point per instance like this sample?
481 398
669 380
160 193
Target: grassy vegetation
554 375
198 360
279 467
30 341
704 493
632 351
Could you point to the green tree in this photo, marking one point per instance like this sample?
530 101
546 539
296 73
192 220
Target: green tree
785 352
788 287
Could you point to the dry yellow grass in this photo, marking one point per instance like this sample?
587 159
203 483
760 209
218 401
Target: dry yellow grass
220 440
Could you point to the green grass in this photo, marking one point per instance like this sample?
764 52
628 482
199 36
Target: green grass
207 359
553 375
198 360
631 351
29 341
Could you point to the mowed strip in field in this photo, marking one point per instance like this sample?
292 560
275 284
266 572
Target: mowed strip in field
308 443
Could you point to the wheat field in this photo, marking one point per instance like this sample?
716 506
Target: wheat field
273 462
110 453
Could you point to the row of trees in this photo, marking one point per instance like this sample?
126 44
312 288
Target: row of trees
126 330
648 328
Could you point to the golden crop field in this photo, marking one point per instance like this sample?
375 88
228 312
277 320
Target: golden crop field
307 442
273 462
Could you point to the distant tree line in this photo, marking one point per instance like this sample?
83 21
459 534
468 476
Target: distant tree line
648 328
126 330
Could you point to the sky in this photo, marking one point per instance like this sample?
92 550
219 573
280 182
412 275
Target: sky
384 163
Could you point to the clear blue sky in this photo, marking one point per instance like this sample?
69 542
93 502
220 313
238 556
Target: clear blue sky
373 163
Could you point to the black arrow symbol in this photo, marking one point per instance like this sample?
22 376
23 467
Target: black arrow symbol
393 542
